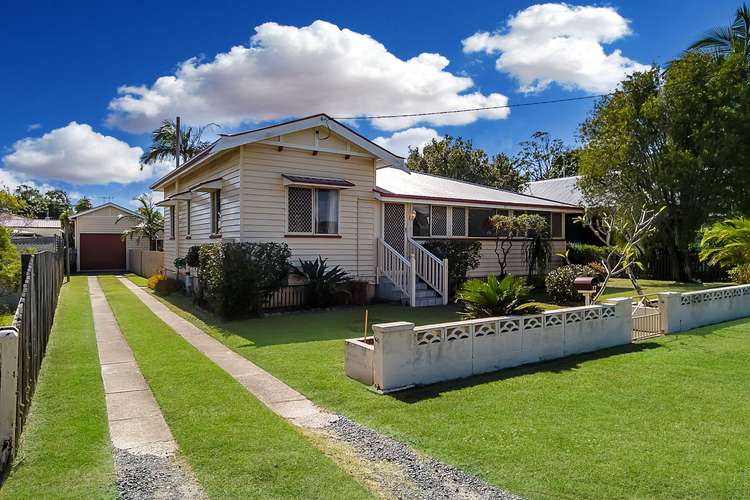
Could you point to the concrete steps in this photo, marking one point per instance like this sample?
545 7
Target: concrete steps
425 296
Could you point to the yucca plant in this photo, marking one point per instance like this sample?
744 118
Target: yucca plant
493 297
726 243
322 281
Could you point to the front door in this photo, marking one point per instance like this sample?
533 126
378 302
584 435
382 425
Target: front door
394 226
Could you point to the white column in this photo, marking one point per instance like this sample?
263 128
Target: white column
393 360
669 310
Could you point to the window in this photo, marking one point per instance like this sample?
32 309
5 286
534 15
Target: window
188 217
479 222
421 223
215 212
556 225
313 211
171 221
458 221
439 221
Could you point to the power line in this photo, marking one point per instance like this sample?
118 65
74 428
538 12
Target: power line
468 110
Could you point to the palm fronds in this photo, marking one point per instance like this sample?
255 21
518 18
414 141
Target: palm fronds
149 222
493 297
722 41
727 243
164 143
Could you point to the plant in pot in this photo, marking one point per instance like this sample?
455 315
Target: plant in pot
322 281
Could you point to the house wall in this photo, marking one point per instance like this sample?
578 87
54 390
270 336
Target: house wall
265 211
516 263
104 220
225 167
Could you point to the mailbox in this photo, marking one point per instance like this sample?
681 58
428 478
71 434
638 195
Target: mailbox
586 284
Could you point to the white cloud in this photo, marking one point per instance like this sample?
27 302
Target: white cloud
399 142
78 155
33 126
10 180
561 43
290 71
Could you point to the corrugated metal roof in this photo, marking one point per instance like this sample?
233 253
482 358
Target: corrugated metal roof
563 189
24 222
394 182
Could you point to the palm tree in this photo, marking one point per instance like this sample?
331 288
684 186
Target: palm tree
163 143
732 39
149 222
727 243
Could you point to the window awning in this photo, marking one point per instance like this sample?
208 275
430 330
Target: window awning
301 180
166 203
208 186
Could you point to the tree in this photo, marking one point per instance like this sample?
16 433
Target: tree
149 223
725 40
727 243
10 264
35 204
57 203
458 159
622 230
510 228
164 143
543 157
675 139
83 204
10 203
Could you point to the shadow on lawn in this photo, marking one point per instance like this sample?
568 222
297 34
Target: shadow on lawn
556 366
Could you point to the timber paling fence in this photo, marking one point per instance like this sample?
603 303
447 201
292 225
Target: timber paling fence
23 344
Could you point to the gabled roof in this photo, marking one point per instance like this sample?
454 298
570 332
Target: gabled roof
230 141
105 205
396 183
562 189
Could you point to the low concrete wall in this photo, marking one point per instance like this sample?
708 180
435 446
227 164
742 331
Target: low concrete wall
358 359
685 311
404 355
145 263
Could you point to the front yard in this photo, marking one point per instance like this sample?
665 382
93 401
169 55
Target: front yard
663 418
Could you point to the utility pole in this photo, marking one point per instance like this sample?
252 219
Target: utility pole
178 146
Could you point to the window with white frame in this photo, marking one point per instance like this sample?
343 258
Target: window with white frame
216 211
458 221
312 210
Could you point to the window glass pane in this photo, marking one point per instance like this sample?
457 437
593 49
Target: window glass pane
171 221
300 210
479 222
421 224
556 225
439 220
326 211
187 211
546 215
459 221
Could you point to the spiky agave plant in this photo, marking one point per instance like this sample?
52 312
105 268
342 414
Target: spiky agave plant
493 297
322 281
726 243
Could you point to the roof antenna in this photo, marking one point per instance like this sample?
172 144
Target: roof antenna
177 143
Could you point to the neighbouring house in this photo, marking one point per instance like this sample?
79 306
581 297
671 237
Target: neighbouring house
98 238
20 226
565 190
324 189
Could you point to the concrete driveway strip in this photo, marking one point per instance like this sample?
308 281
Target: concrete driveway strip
140 436
275 394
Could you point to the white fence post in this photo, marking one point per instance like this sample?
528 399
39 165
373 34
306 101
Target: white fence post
669 309
392 363
412 281
445 282
8 391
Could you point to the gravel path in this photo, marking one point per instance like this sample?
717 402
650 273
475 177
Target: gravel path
427 478
145 476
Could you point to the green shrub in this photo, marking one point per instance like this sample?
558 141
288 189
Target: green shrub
462 255
323 283
237 277
582 253
493 297
560 282
180 263
740 274
192 258
10 265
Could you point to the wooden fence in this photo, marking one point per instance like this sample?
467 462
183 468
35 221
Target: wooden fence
145 263
23 344
289 297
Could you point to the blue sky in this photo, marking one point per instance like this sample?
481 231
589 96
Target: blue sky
64 62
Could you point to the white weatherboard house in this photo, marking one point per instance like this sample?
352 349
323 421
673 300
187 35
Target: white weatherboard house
324 189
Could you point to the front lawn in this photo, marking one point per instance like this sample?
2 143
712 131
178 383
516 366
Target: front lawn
236 446
665 418
65 449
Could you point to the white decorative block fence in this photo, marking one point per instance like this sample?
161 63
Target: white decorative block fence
401 355
685 311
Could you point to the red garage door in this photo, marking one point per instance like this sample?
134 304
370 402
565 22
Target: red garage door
102 251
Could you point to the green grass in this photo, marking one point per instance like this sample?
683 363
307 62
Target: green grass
65 449
664 418
6 318
235 445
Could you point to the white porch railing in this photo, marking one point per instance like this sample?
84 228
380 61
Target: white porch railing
398 269
429 268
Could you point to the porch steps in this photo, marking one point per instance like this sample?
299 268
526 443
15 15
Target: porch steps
426 296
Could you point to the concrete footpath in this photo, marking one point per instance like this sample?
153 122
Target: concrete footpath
144 449
279 397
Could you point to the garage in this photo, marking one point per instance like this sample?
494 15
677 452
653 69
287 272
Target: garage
101 251
98 238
